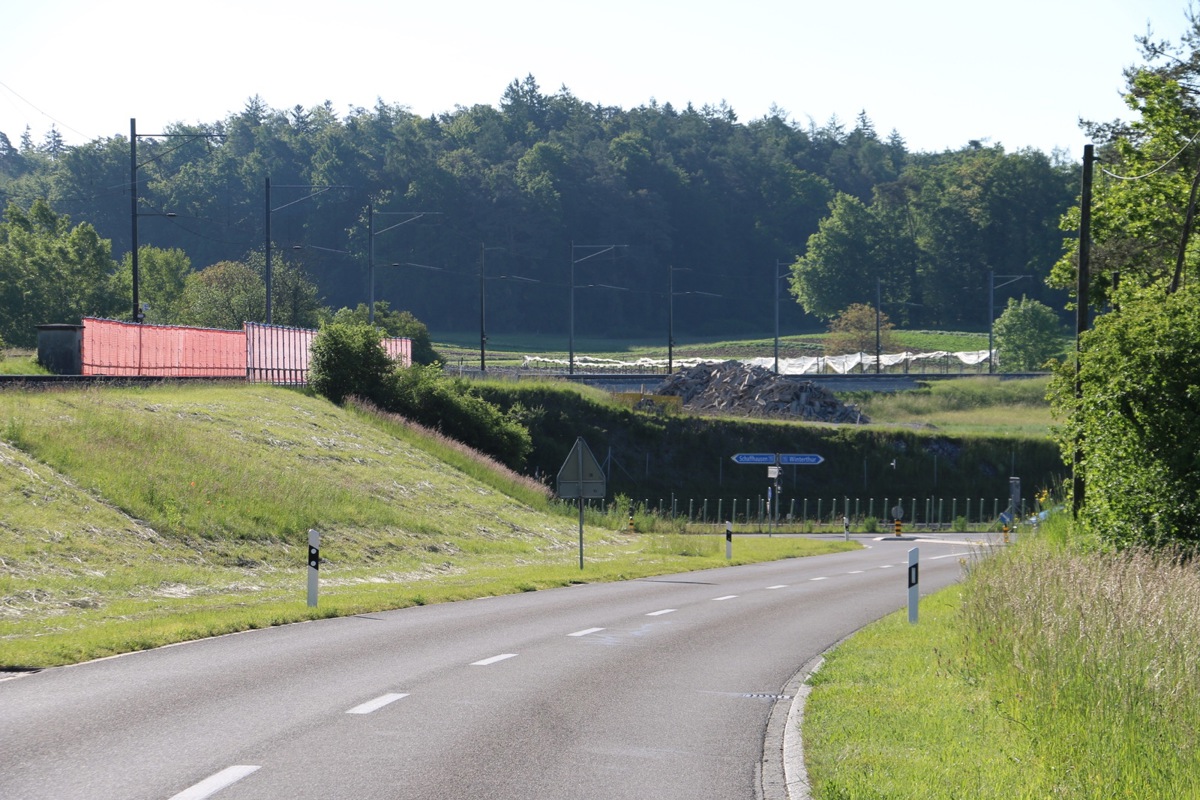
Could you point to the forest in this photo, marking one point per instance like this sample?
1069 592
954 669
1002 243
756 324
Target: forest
610 222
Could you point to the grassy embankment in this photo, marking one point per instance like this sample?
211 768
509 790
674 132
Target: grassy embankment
20 362
1050 672
987 405
136 517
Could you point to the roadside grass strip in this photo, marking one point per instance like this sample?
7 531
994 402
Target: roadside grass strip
890 716
1049 672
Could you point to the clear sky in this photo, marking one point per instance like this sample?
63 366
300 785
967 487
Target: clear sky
940 72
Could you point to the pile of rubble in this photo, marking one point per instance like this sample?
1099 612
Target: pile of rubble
732 387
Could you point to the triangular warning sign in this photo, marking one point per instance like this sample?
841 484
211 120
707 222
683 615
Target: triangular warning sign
581 474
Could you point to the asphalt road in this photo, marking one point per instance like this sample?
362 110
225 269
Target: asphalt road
655 688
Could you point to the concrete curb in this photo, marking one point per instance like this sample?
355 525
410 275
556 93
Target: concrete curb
783 774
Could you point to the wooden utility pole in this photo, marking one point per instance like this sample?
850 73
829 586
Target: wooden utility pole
1081 314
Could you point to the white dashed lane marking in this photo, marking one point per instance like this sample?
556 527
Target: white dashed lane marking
660 613
585 632
494 659
215 783
377 703
725 597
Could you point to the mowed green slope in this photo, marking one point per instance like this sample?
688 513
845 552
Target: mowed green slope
135 517
217 488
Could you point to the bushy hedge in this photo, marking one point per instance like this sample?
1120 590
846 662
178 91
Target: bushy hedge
348 359
427 395
1137 420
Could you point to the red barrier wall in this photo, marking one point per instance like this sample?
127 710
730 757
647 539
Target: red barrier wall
110 347
259 353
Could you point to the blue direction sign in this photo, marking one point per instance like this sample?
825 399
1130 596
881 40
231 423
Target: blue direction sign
800 458
754 458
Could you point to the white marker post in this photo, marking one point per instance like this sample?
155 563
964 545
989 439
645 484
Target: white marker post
914 590
728 540
314 564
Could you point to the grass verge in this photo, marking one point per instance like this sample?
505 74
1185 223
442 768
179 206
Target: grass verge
1050 672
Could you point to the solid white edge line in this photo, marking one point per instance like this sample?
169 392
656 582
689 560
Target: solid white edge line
377 703
726 597
660 613
489 661
585 632
215 783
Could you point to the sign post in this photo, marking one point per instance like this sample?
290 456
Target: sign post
773 461
314 564
914 591
581 476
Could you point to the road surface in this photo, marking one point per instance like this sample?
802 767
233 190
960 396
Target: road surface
656 688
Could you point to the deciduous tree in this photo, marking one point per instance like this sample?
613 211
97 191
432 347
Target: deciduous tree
1028 334
50 271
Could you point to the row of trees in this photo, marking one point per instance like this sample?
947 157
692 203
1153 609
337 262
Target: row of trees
701 204
53 271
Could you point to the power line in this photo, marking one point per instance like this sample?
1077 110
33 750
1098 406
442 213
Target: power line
53 119
1157 169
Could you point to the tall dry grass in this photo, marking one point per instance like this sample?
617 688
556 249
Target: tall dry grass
1097 655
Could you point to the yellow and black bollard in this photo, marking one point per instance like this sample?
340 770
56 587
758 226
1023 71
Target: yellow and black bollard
898 527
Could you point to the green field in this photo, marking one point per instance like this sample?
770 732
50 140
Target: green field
986 405
509 350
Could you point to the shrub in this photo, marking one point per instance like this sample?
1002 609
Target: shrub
395 323
348 359
426 395
1136 420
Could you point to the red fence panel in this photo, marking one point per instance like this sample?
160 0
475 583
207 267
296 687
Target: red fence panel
275 354
259 353
110 347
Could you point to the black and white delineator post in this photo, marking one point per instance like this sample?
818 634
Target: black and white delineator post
314 564
914 590
1014 501
728 540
